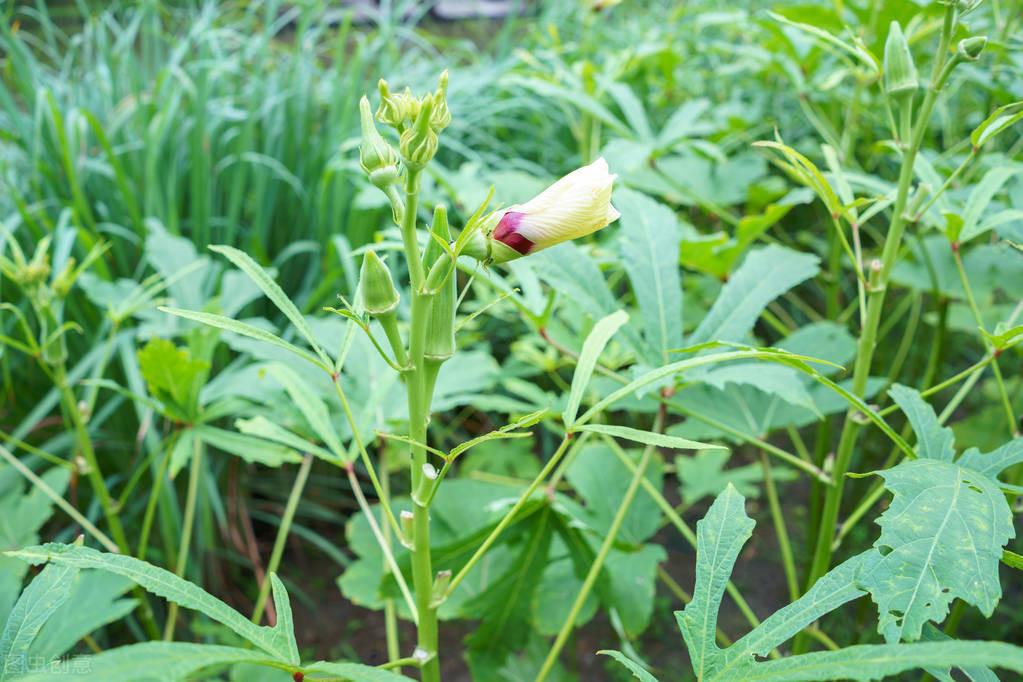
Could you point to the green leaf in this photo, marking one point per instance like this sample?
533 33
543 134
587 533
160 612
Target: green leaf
994 463
506 602
592 348
649 238
975 673
866 662
274 292
633 585
24 513
704 475
550 606
980 199
243 329
941 538
934 441
601 479
249 448
312 408
170 372
681 366
352 672
43 596
94 602
150 662
835 588
1001 119
284 628
261 427
165 584
638 671
1012 560
649 438
720 536
766 274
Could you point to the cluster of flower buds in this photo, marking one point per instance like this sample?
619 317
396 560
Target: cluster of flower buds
575 206
418 121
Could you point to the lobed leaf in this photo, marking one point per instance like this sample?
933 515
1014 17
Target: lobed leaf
169 586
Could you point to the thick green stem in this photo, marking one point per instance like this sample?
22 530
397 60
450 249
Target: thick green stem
875 306
282 534
195 469
419 413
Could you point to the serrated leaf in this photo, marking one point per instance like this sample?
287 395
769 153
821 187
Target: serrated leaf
24 513
274 292
867 662
169 371
704 475
835 588
638 671
43 596
165 584
150 662
649 437
934 441
312 408
601 479
995 462
592 348
975 673
261 427
284 628
507 600
241 328
650 237
764 275
941 539
353 672
249 448
94 602
720 536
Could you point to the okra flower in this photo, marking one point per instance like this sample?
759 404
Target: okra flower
575 206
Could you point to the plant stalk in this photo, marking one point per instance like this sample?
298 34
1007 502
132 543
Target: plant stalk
875 306
282 534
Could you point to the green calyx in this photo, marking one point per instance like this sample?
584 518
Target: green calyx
379 297
440 325
377 158
419 143
899 70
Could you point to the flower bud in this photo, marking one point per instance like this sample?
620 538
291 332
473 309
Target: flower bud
574 206
441 117
419 142
391 111
970 48
377 158
63 282
899 71
379 297
440 325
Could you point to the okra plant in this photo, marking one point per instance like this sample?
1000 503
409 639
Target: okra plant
531 552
